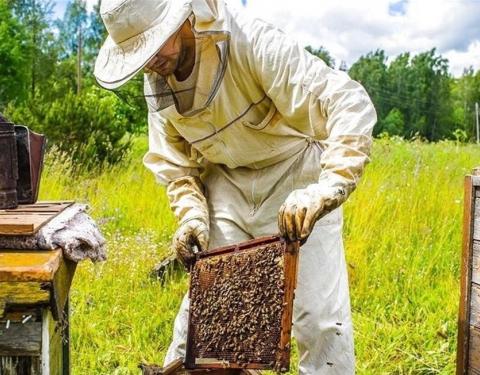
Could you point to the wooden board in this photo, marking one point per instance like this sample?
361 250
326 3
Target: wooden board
29 265
32 278
24 293
21 339
476 262
474 352
28 219
476 219
468 342
475 306
464 305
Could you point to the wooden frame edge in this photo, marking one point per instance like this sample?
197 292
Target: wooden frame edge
466 261
291 251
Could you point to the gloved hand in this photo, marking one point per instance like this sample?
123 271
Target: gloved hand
194 232
303 207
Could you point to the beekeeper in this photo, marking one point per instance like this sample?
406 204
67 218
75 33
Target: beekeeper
252 136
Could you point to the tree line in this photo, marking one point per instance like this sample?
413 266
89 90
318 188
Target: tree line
46 82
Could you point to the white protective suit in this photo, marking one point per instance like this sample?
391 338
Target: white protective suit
281 120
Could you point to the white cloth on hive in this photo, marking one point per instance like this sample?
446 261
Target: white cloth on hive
73 230
76 233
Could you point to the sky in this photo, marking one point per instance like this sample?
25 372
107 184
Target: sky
349 29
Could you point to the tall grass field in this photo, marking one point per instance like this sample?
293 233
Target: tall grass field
403 228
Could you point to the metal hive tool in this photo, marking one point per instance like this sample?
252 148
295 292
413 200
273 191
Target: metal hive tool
241 300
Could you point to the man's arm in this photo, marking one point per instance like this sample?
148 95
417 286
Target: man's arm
340 115
170 159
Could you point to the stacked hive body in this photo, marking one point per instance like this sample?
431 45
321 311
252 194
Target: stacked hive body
241 300
468 353
34 287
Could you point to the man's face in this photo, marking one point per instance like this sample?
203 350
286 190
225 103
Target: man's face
168 58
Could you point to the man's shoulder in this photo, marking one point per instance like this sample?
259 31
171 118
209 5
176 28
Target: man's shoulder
244 23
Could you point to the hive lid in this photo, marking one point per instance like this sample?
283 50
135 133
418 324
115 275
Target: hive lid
27 219
29 265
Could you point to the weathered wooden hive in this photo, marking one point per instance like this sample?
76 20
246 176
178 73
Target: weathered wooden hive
34 287
468 349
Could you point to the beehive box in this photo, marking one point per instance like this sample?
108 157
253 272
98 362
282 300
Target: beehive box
241 300
34 335
468 350
34 288
27 219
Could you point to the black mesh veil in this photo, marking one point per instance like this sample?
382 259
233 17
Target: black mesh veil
191 95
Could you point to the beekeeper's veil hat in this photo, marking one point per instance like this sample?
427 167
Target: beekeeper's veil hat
138 29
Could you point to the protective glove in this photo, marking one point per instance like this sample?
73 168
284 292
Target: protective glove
303 207
192 233
189 205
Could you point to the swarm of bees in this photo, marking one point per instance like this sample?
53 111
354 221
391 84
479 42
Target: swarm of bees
237 302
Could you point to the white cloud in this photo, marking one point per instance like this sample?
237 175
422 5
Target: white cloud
461 60
351 28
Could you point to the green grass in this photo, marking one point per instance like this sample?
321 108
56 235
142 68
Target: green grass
402 236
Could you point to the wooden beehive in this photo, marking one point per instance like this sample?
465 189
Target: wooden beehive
27 219
468 344
34 287
241 302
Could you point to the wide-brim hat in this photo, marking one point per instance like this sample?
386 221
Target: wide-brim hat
137 31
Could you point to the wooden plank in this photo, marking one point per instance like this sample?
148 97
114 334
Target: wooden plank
49 208
26 265
291 270
56 352
20 365
56 206
16 229
45 356
20 339
28 219
475 306
476 220
24 293
466 261
476 262
61 286
474 350
14 224
66 338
